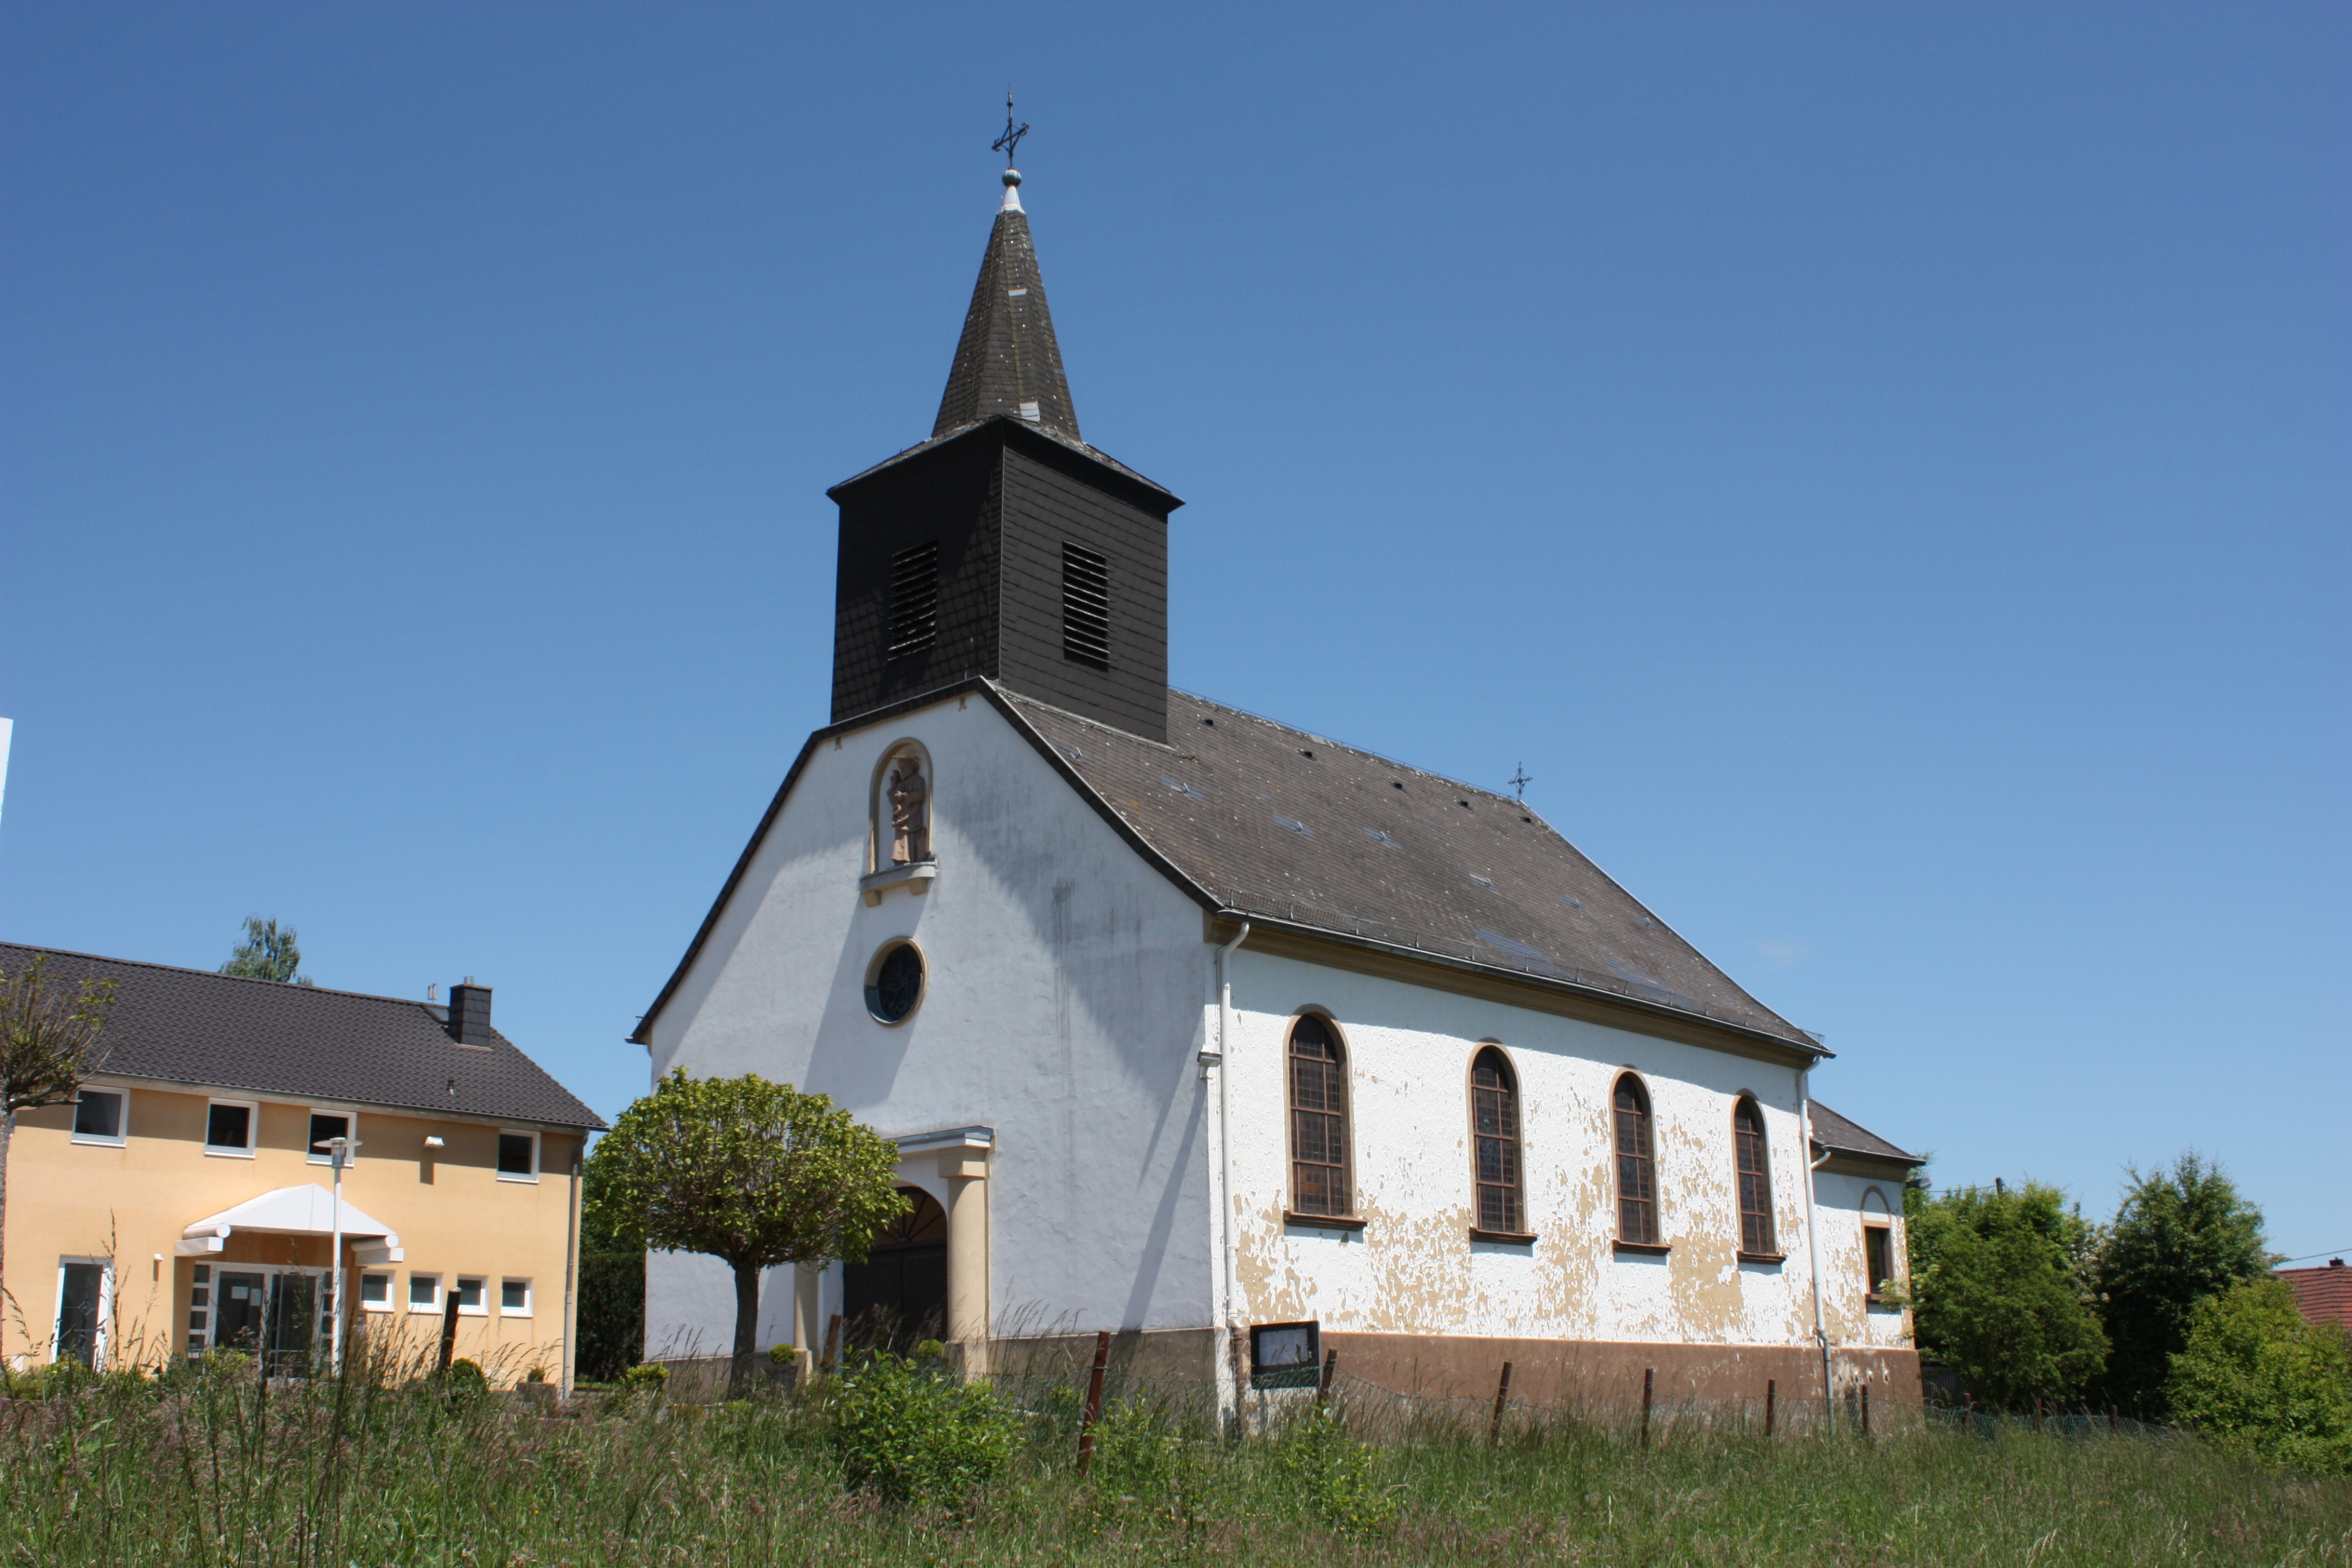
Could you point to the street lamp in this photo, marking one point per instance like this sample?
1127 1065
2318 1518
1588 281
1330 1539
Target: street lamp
338 1151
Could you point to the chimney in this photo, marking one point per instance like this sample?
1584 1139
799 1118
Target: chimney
469 1013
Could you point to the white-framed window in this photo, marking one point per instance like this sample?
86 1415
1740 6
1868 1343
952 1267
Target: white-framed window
325 1125
101 1116
85 1302
229 1127
514 1298
375 1292
517 1155
473 1296
425 1293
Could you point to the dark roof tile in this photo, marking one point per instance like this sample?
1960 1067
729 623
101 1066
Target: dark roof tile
1277 822
194 1027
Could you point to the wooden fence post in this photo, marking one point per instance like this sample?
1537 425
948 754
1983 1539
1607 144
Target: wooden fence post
1330 1370
1866 1409
1649 1379
1771 1397
1094 1401
832 1343
448 1329
1502 1397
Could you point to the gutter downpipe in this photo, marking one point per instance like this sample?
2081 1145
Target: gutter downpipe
1813 1238
1225 1170
570 1366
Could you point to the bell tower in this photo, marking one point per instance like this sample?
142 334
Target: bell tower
1004 546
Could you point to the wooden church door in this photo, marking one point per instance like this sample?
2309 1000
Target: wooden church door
899 1297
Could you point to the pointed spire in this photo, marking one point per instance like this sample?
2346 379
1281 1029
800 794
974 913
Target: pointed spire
1007 360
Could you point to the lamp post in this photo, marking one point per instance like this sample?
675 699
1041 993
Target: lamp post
339 1150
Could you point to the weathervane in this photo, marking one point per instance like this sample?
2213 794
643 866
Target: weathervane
1010 140
1519 781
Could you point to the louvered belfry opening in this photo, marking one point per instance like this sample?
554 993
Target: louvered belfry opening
1005 547
1085 606
914 599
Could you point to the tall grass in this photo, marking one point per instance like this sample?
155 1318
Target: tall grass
383 1468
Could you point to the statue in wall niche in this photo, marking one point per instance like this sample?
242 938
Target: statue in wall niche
910 812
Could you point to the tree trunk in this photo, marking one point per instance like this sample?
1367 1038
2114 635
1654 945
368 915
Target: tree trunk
747 1329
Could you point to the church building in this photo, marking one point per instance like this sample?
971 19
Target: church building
1247 1046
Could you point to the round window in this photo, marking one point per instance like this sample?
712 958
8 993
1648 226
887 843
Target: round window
896 983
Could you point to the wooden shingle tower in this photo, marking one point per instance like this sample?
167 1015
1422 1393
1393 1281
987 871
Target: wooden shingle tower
1004 546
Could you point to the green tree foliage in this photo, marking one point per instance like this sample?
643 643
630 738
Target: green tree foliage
48 1040
755 1173
612 1302
2000 1283
2183 1236
2255 1376
267 954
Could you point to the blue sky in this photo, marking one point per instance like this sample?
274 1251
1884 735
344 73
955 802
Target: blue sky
1881 469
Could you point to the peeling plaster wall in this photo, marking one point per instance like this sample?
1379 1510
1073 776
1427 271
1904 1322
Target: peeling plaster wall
1839 1200
1414 1267
1064 1005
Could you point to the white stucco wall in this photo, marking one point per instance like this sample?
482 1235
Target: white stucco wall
1845 1203
1064 1007
1414 1267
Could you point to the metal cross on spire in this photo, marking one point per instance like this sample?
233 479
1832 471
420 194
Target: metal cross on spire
1010 140
1519 781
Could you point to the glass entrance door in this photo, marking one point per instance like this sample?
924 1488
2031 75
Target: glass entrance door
239 1301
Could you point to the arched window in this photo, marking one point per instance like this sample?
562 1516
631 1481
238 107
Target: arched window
1637 1177
1319 1119
1754 1177
1878 1246
1494 1166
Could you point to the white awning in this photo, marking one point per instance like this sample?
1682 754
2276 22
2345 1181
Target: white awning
305 1210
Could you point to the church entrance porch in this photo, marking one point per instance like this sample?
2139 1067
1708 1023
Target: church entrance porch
899 1297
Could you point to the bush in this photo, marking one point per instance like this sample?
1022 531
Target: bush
1136 1451
904 1433
1997 1278
464 1383
2256 1378
1339 1474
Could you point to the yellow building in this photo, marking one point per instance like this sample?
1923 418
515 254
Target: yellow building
186 1201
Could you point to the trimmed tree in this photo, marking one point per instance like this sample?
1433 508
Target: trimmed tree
1998 1282
755 1173
2183 1236
267 954
48 1041
2254 1376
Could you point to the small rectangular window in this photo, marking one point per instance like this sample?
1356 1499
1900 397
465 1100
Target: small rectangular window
1085 606
470 1296
98 1116
325 1125
425 1293
914 599
1877 1264
228 1127
514 1298
375 1292
517 1157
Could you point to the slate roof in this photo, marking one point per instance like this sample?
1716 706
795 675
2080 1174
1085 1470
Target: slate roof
1008 361
2325 1295
1832 1134
1274 822
220 1031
